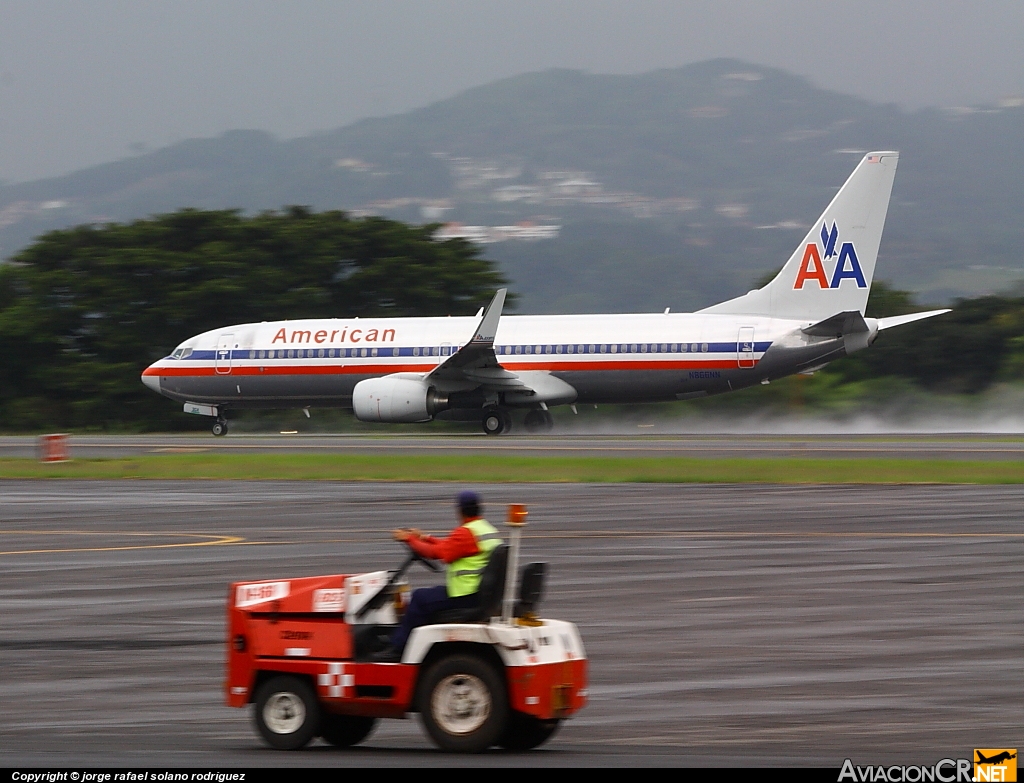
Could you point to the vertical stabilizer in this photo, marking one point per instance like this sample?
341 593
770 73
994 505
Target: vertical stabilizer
831 270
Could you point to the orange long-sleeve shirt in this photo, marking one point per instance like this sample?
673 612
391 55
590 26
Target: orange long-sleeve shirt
460 543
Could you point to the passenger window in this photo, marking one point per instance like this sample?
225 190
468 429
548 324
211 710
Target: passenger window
704 348
373 352
683 347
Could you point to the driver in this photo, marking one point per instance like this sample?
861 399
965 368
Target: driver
465 550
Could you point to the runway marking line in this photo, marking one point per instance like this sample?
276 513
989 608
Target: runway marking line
209 539
941 446
668 534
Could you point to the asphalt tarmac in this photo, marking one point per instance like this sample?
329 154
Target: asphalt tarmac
725 625
947 446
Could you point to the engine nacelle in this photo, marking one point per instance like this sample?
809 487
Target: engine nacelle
397 399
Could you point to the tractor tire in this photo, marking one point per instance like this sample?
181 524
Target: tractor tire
344 731
287 712
525 732
463 703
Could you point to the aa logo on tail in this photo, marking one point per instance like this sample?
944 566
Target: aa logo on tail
812 267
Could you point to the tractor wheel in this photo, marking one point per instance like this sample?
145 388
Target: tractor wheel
525 732
463 704
343 731
287 712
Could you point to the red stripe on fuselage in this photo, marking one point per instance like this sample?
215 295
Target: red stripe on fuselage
385 369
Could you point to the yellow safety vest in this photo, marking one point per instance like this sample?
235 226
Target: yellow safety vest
464 573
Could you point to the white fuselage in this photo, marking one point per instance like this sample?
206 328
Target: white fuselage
605 358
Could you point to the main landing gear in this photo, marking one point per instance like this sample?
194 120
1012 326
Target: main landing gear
220 427
497 421
538 420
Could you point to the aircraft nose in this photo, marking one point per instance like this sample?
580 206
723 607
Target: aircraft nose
151 379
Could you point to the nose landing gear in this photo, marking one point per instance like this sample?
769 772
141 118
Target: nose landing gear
220 427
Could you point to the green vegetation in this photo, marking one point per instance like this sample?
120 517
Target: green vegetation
512 469
950 362
83 311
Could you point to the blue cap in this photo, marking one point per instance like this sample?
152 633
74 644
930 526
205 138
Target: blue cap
468 498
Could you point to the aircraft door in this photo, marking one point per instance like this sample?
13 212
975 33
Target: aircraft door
745 347
222 359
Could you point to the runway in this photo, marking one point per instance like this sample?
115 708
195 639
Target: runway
725 625
949 446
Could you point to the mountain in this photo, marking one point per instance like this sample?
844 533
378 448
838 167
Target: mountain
672 188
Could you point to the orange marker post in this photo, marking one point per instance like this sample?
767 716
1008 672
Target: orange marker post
517 514
54 448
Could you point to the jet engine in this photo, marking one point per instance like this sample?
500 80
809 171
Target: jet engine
397 399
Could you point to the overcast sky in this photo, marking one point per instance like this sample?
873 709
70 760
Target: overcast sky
87 82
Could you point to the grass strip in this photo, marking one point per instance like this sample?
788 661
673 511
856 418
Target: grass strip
499 468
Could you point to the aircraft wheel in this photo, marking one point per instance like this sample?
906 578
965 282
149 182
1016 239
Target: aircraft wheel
343 731
287 712
493 421
506 418
463 704
539 420
525 732
220 427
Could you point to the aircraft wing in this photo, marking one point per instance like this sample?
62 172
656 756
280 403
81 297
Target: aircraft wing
474 365
475 361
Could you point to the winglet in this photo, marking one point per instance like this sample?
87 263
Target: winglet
488 327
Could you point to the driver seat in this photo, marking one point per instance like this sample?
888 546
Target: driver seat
489 594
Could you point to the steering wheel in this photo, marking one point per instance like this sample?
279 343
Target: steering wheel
428 564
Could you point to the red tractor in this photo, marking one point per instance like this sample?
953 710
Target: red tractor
301 650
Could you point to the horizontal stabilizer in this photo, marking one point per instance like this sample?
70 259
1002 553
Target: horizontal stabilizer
838 325
899 320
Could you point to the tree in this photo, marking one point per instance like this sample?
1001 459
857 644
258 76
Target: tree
83 311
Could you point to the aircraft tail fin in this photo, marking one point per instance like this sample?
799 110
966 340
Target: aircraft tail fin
831 270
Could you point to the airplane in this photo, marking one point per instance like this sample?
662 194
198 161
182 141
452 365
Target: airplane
996 759
485 366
